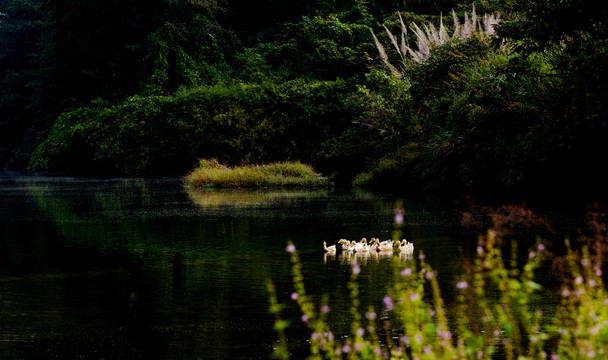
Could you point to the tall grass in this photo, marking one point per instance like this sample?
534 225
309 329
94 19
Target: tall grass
210 173
498 314
430 36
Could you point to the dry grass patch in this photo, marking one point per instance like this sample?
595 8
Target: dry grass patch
210 173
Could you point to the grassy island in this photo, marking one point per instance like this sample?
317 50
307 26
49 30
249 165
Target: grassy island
210 174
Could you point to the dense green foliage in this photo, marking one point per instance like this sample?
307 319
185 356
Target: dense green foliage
135 88
156 133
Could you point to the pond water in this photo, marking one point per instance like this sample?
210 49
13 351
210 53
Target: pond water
145 268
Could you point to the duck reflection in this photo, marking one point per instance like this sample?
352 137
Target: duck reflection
329 256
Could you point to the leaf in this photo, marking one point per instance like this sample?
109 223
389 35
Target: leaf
281 325
533 285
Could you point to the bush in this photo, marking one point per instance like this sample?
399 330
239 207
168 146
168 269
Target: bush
165 134
320 48
493 123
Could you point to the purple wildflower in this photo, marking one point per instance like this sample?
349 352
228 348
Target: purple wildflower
290 248
356 268
294 296
325 309
445 334
406 272
388 302
399 213
462 285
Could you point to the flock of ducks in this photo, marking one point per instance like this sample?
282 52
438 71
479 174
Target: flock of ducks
374 245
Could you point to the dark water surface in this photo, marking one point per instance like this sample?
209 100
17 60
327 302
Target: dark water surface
144 268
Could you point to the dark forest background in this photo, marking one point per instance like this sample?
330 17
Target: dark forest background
137 88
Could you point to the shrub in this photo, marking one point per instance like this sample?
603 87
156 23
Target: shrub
321 48
165 134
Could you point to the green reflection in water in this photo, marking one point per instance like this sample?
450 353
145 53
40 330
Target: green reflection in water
151 270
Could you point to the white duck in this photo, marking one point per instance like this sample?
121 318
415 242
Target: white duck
361 246
351 246
373 245
329 249
406 247
345 244
385 246
385 242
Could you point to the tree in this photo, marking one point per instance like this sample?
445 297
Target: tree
19 33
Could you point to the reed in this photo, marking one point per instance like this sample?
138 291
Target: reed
212 174
429 37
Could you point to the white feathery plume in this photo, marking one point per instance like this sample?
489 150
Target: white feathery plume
473 21
431 36
443 33
466 31
456 25
383 55
392 38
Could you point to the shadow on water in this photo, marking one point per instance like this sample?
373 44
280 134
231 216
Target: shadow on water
144 268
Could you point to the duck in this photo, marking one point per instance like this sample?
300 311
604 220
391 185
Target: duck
373 245
345 244
329 249
405 246
361 246
351 246
385 242
385 246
